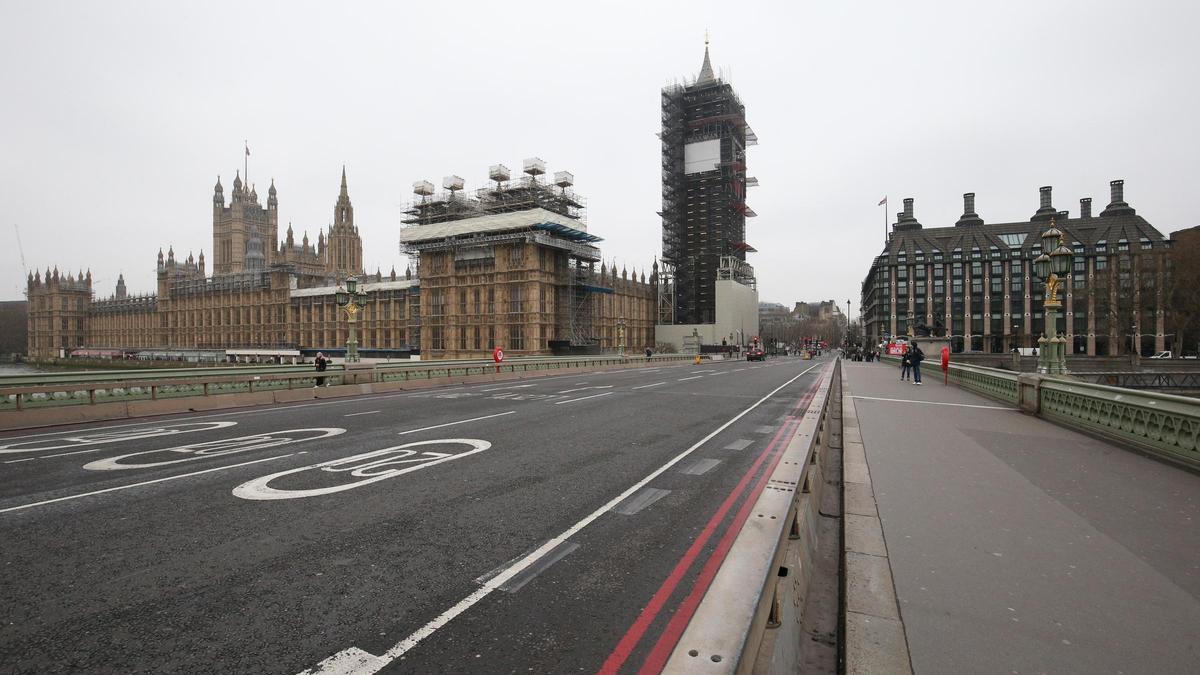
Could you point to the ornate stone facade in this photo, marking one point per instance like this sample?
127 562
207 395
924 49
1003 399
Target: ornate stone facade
517 294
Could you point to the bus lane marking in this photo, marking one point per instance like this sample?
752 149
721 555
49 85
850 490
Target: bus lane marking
145 482
369 467
102 437
219 448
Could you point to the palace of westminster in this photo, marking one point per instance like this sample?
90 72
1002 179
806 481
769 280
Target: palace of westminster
511 265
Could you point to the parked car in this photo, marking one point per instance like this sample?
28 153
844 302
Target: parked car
756 354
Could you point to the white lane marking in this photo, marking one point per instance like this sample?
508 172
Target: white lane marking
598 386
957 405
352 660
369 412
694 377
400 648
739 444
145 482
379 468
646 386
27 459
720 372
218 448
102 437
450 424
572 400
511 386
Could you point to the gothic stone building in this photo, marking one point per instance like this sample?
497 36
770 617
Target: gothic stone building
474 294
513 265
975 282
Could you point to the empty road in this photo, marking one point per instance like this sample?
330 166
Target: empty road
548 525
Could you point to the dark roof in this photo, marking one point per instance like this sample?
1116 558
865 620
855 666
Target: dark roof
1086 231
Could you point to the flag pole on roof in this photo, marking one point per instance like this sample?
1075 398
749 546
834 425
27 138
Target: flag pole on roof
883 203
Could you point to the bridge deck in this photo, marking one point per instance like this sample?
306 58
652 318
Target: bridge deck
1017 545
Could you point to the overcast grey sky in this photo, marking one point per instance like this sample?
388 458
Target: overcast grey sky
117 117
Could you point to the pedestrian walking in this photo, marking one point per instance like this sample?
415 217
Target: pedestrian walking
320 363
916 357
648 353
905 364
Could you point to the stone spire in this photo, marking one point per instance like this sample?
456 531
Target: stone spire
706 69
343 212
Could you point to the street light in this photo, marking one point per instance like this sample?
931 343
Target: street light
621 336
351 300
1049 267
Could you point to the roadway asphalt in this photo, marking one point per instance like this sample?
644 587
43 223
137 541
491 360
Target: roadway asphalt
365 530
1018 546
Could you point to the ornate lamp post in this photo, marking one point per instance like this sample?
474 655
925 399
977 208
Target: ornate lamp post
351 300
621 336
1055 261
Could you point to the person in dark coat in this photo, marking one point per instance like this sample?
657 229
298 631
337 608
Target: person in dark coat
320 363
916 357
905 363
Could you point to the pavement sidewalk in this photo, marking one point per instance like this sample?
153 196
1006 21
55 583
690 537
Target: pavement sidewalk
1020 546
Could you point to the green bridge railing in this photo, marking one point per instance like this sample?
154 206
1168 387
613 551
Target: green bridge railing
39 390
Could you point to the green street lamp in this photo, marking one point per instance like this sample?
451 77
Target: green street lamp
621 336
1053 263
351 300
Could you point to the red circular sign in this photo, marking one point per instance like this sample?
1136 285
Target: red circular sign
498 355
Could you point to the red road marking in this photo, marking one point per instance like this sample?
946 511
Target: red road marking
635 633
670 636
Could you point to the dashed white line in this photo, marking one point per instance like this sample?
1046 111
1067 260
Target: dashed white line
145 482
694 377
511 386
450 424
363 665
369 412
647 386
572 400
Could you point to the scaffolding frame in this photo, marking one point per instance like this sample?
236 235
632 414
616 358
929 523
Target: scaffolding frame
503 196
703 213
576 284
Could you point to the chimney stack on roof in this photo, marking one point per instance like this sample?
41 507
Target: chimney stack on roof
1117 205
969 217
1046 209
905 219
1085 207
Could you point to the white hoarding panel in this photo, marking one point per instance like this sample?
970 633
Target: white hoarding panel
701 156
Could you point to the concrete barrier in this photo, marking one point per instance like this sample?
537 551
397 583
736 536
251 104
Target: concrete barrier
749 620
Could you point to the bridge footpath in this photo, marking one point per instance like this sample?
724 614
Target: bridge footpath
1017 545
